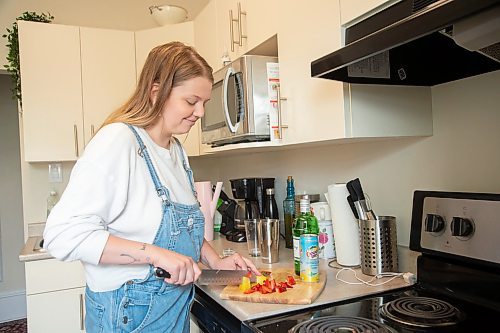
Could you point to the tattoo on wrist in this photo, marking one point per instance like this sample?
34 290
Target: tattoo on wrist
130 258
143 247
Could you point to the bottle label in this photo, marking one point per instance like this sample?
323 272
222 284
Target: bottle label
296 248
309 259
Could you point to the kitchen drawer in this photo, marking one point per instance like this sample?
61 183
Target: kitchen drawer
57 312
51 274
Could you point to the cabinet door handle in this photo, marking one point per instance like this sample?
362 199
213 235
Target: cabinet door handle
82 316
240 24
75 133
280 117
231 30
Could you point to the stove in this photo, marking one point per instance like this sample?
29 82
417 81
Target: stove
458 274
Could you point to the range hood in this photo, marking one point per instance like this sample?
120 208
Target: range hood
418 43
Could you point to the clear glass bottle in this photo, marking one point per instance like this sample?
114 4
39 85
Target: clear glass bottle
51 201
289 212
271 208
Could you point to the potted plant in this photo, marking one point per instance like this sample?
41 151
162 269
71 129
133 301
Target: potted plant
13 46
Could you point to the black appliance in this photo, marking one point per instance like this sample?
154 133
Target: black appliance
418 43
458 274
226 209
252 190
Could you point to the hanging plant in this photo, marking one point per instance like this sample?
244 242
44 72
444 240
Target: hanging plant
13 46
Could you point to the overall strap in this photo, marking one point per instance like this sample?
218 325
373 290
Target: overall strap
186 167
143 152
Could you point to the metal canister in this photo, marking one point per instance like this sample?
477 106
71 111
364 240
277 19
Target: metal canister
309 258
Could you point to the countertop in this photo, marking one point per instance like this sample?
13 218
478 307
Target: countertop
32 251
335 290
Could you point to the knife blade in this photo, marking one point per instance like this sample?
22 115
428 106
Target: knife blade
213 276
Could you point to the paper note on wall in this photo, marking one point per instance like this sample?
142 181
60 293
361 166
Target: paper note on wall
273 82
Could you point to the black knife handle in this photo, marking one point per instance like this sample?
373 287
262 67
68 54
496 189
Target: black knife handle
161 273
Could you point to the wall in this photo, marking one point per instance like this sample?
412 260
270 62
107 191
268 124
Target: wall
462 155
12 301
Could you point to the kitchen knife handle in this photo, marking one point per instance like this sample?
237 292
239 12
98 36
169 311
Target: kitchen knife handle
161 273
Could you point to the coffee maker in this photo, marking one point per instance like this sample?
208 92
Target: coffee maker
250 195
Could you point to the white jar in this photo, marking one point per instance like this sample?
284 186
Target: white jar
326 238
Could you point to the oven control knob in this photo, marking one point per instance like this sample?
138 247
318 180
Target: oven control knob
462 227
434 223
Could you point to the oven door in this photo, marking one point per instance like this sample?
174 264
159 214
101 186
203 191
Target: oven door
211 317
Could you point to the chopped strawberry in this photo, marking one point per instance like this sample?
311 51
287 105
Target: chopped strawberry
272 285
249 291
291 280
280 289
266 290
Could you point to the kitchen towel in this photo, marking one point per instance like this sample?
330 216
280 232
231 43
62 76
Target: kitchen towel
345 226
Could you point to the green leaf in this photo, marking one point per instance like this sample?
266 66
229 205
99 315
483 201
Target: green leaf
13 47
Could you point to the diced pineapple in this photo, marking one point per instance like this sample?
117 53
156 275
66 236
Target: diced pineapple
245 284
261 279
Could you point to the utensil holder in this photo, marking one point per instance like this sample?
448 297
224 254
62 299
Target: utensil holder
378 243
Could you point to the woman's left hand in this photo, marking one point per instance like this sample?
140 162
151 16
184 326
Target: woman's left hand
236 261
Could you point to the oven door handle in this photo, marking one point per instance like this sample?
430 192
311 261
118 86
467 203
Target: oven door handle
232 128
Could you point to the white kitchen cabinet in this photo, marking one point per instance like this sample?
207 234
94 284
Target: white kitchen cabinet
318 110
241 25
205 35
72 78
57 312
51 88
55 294
351 10
108 74
145 41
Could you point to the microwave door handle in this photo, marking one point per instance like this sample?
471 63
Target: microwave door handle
232 128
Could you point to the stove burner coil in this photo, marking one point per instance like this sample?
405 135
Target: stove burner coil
338 324
421 312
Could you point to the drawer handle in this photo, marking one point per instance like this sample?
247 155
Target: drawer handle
82 316
75 133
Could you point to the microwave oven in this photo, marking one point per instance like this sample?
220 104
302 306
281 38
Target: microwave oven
238 110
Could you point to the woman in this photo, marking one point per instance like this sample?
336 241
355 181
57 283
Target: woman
130 204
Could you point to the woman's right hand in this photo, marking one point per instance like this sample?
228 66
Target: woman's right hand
182 269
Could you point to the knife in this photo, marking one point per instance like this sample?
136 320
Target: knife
219 277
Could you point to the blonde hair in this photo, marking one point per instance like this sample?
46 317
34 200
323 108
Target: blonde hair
167 65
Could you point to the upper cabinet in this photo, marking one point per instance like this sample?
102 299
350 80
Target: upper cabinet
313 109
239 26
108 74
51 88
72 78
146 40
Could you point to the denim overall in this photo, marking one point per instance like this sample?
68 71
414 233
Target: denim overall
151 304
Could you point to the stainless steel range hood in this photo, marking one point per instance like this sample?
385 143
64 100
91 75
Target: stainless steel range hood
418 43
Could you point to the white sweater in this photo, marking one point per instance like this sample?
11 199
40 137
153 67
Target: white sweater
110 191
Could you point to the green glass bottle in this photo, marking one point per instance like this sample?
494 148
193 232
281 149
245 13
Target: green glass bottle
289 212
299 226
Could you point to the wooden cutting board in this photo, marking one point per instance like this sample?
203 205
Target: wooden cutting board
301 293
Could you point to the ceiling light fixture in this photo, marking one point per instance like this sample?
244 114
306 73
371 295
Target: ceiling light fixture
168 14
